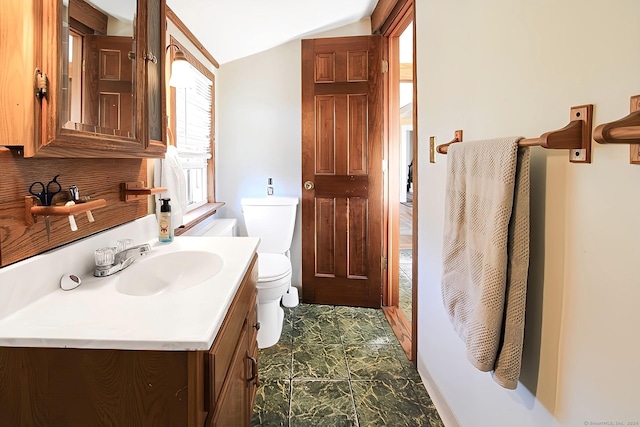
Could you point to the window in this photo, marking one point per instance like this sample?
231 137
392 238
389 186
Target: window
192 124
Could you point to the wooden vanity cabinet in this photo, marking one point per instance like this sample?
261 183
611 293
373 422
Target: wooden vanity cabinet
117 113
232 362
49 387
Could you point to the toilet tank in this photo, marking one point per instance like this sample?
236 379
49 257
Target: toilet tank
272 219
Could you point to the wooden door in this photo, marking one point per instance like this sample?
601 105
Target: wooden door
342 171
108 83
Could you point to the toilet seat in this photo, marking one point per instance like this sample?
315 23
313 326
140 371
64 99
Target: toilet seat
272 267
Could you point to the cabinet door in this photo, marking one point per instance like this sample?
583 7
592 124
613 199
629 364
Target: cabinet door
232 408
154 92
20 38
58 123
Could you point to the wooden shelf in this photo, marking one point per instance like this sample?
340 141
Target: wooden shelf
34 210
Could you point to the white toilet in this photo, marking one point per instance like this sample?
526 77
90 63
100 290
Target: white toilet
272 219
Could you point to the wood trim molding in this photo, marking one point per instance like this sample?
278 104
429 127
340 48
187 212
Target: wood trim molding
381 14
389 14
196 216
171 15
91 18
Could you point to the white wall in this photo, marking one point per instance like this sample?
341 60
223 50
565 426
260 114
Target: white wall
515 68
259 132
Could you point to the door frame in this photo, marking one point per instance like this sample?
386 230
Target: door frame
398 20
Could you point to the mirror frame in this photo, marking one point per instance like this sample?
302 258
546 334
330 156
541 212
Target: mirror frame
54 141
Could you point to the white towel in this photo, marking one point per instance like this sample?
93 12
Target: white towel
168 173
486 252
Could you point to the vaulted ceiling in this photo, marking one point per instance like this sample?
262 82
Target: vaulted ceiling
232 29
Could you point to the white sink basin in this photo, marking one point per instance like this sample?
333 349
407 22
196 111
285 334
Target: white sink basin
168 272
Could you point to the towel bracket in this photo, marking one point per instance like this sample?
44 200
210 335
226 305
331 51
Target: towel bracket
457 137
623 131
132 191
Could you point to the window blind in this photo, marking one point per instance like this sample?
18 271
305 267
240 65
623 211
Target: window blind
193 122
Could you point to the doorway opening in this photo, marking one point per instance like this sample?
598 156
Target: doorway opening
400 298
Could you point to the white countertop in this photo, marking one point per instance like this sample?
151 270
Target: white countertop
95 315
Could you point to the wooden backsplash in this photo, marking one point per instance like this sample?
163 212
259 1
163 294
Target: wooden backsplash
97 178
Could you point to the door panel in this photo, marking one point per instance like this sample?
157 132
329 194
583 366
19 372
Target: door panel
108 85
342 143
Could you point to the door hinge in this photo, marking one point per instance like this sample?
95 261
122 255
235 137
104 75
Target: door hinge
384 262
385 66
41 84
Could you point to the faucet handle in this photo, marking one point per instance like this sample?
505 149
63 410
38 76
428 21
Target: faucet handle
123 244
105 256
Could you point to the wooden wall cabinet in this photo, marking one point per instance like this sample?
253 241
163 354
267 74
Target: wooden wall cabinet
34 42
80 387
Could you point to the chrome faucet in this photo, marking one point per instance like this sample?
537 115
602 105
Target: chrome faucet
118 261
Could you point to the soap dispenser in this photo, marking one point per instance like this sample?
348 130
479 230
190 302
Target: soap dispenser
165 233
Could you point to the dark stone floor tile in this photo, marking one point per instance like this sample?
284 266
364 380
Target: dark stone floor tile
369 362
363 331
272 404
275 362
321 403
425 402
319 362
324 354
359 313
313 311
289 312
286 337
323 330
388 403
389 331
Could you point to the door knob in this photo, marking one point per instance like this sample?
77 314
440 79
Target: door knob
308 185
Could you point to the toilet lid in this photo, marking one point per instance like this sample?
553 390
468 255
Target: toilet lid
272 266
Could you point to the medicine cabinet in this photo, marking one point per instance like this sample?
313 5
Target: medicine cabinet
83 78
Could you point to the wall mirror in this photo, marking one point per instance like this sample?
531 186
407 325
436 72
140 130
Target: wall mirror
98 67
100 77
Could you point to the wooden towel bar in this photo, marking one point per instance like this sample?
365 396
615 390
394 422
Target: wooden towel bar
576 136
623 131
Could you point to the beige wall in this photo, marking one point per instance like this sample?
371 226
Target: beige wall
514 68
259 133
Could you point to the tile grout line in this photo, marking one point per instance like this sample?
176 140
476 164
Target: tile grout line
346 361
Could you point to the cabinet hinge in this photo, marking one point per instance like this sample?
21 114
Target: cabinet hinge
384 262
40 84
385 66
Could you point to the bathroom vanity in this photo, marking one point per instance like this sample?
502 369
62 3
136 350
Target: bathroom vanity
98 355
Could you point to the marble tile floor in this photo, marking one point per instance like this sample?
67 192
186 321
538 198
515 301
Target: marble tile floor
339 366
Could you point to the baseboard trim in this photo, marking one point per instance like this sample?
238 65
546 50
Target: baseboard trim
442 406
